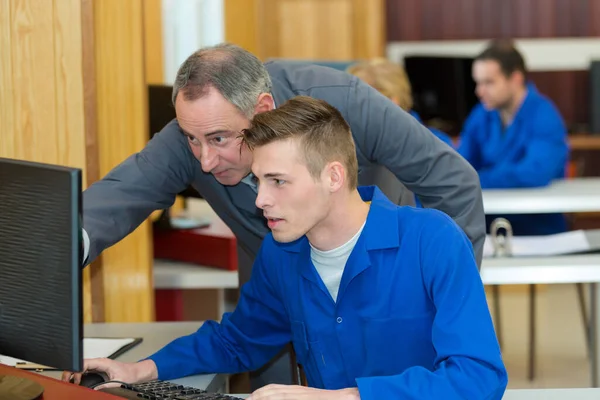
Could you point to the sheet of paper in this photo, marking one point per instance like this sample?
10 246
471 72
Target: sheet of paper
543 246
92 348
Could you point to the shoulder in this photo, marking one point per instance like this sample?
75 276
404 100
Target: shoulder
427 225
545 107
477 114
304 77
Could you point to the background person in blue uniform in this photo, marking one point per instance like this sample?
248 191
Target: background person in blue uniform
515 137
380 301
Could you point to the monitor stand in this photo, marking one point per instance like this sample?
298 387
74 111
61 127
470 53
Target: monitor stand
17 388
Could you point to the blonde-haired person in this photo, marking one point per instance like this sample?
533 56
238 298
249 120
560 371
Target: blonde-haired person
391 80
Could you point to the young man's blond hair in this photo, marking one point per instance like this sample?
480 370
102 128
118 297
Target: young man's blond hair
324 136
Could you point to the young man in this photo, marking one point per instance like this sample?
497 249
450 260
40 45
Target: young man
516 137
380 301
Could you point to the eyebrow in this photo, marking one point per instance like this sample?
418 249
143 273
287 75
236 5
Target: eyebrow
215 133
273 175
207 135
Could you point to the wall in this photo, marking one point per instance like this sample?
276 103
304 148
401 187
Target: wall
122 123
558 38
42 102
72 92
303 29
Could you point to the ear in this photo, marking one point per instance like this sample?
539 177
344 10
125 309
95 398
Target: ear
518 78
336 176
265 103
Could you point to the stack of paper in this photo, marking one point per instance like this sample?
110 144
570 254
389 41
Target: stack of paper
580 241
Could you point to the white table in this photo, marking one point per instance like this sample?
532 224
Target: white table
178 275
581 268
562 196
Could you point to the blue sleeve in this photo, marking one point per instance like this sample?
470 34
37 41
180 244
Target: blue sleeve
545 156
468 144
469 363
245 339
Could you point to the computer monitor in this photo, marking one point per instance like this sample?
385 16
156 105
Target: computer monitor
41 318
443 90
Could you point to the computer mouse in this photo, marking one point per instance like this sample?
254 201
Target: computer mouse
90 379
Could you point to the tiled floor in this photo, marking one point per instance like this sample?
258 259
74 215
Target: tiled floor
561 350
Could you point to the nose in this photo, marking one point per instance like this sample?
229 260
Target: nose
263 199
209 158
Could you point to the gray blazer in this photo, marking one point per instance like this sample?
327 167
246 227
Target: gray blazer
387 139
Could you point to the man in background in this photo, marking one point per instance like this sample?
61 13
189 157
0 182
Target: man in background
515 138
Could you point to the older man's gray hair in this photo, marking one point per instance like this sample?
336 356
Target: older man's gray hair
236 73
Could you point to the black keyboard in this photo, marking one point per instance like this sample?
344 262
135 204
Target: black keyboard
159 390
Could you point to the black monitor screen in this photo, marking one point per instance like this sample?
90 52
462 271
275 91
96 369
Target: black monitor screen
40 264
160 107
443 89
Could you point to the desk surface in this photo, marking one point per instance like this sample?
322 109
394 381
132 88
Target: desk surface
155 335
579 268
562 196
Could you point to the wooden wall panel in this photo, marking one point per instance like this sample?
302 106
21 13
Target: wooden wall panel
123 130
241 24
153 42
7 106
484 19
74 93
33 79
303 29
368 29
41 96
570 91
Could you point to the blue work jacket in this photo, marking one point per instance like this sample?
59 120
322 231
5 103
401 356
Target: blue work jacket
410 322
530 152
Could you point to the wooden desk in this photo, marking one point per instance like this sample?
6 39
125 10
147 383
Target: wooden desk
55 389
584 141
